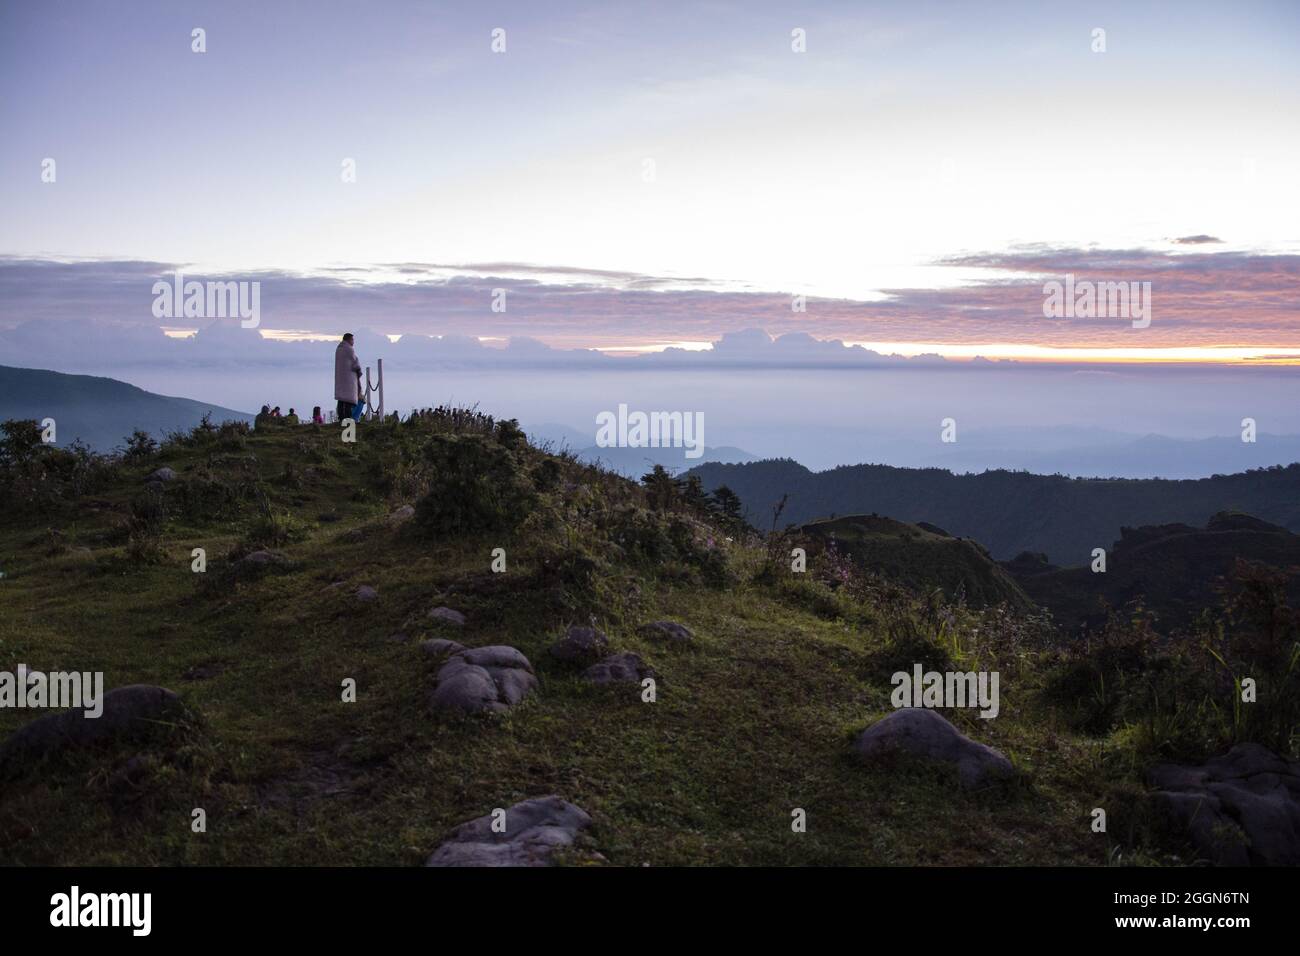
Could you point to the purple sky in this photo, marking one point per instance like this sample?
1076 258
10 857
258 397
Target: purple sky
657 174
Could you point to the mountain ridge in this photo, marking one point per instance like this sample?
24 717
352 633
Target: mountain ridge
1008 512
100 411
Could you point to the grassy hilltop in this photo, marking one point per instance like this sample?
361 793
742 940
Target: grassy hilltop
922 556
752 720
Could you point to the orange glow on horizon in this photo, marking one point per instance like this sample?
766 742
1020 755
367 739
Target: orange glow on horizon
1194 354
1018 351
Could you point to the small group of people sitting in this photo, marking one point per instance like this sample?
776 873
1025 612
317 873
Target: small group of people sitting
272 416
347 391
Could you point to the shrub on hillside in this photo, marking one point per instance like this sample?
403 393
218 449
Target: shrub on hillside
910 641
140 446
227 436
1096 679
144 527
42 477
233 436
272 527
20 441
476 484
668 544
1262 643
206 496
572 580
1181 697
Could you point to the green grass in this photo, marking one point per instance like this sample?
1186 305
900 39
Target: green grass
752 722
921 559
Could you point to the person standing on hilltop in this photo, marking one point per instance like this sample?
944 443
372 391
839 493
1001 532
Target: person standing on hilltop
347 377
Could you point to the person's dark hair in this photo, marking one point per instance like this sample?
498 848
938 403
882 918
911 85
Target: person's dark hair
266 409
347 336
316 410
292 412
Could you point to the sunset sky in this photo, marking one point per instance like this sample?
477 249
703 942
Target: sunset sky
642 176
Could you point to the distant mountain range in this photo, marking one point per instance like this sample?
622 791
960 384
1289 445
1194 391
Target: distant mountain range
101 412
1097 453
630 462
1007 512
1075 450
1172 569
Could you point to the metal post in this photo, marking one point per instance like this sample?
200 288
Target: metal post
381 389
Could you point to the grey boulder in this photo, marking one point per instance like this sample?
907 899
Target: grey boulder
483 679
1238 809
534 830
261 559
620 668
126 710
580 645
161 475
927 734
448 616
668 632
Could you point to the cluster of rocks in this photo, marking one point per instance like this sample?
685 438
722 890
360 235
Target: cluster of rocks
363 593
481 679
590 647
495 678
1242 808
1238 809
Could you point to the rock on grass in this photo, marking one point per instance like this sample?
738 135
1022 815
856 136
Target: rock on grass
261 559
483 680
1238 809
668 632
927 734
534 830
446 615
128 711
580 645
618 669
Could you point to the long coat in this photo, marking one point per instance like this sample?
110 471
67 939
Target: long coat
347 374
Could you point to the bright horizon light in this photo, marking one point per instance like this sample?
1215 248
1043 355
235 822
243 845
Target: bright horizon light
1019 351
1010 350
